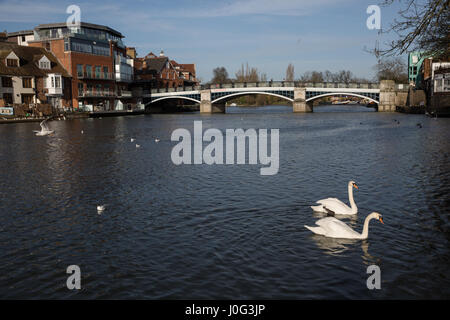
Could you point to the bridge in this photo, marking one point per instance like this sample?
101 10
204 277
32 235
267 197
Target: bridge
212 98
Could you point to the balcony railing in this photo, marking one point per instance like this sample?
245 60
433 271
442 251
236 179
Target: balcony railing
94 76
97 93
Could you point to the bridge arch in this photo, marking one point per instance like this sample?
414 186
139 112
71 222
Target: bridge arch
244 93
173 97
342 93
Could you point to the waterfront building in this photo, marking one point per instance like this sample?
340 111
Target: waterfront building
95 57
31 75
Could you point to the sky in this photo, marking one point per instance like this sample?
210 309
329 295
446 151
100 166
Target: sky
267 34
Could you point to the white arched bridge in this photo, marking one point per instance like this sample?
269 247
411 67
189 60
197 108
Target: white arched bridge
212 98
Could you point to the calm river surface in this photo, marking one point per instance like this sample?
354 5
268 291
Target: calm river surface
224 231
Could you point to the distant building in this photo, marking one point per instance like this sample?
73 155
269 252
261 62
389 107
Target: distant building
32 75
161 72
415 61
21 37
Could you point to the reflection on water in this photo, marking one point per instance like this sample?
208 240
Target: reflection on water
200 231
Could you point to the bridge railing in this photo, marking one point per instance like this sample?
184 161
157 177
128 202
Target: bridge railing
269 84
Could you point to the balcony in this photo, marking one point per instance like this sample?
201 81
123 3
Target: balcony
99 76
54 91
124 94
97 94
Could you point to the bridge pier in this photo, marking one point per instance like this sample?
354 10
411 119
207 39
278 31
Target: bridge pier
387 96
300 104
206 106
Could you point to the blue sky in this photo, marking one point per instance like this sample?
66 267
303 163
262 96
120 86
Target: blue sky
268 34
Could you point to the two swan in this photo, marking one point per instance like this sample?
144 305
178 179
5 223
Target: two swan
334 228
336 206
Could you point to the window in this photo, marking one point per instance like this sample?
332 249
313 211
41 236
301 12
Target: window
12 62
23 38
27 98
44 64
53 81
105 72
66 44
98 72
79 70
57 82
98 88
7 82
26 82
80 89
8 98
88 71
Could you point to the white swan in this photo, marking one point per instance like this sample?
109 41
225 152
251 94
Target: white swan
334 228
336 206
45 130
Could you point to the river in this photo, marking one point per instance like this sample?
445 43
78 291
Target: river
224 231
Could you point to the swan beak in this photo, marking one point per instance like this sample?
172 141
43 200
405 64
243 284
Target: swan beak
381 220
355 186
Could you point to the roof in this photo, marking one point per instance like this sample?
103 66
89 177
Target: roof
156 64
83 24
29 57
20 33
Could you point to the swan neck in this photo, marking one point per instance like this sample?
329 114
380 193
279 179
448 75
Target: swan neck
350 198
365 232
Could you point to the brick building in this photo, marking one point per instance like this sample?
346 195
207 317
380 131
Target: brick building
160 72
95 57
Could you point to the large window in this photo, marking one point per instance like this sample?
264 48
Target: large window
88 71
8 97
102 51
27 98
44 65
57 82
80 88
81 47
26 83
105 72
80 70
7 82
98 72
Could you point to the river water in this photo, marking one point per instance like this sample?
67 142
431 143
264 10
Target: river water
224 231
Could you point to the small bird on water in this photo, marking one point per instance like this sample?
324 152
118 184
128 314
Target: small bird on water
101 208
138 145
132 139
157 140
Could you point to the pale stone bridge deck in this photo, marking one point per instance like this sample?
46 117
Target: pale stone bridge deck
212 97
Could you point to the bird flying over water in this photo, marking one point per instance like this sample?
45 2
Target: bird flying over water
45 130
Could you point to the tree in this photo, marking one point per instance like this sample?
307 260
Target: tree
290 72
220 75
423 25
248 74
392 69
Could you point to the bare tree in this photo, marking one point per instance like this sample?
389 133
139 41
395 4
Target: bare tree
391 69
290 72
422 25
248 74
220 75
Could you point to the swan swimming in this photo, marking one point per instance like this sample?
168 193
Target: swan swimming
138 145
334 228
101 208
132 140
45 130
157 140
336 206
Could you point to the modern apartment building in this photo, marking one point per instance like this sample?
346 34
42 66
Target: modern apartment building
95 57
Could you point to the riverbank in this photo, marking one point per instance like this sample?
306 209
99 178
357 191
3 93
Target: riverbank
76 115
